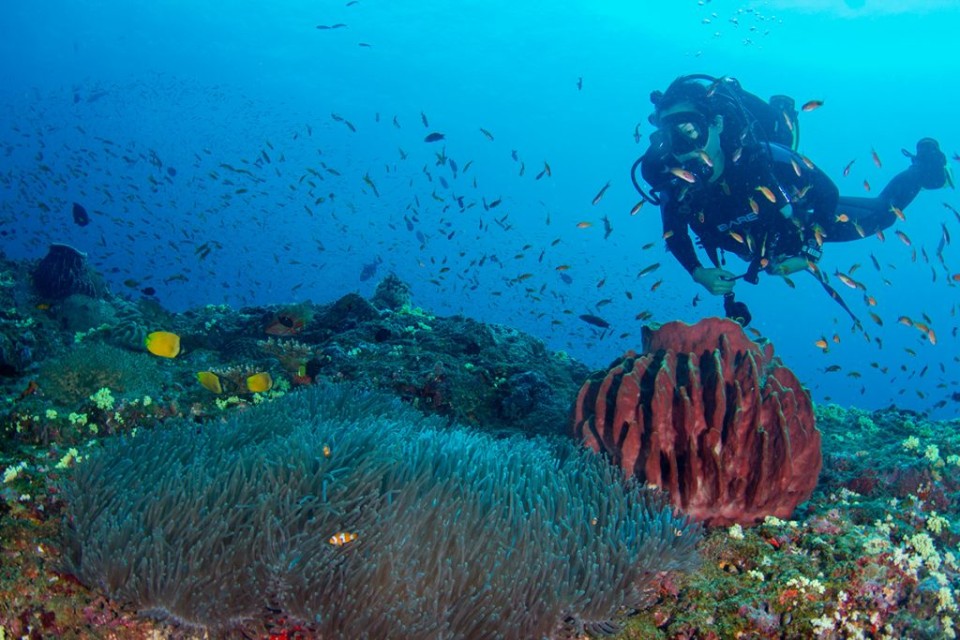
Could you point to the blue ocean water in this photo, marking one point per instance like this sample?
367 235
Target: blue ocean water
237 153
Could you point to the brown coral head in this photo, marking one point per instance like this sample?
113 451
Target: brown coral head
711 417
64 272
285 324
289 321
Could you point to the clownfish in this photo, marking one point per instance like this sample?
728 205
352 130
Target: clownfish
342 538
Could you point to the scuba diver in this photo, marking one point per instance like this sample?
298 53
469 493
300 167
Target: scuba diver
723 163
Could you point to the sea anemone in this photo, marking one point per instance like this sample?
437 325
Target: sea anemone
357 517
93 366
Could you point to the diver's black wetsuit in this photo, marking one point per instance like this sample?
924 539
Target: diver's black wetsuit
734 214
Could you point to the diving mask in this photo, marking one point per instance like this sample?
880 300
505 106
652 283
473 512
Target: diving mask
686 131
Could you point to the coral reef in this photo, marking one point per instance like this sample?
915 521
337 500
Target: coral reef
709 416
356 517
391 294
289 321
93 366
872 554
63 272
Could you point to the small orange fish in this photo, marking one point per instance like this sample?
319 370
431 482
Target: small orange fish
736 236
753 205
903 237
767 193
823 344
856 225
906 321
866 185
326 451
705 158
931 336
796 167
870 300
807 161
876 158
32 388
842 218
810 105
636 208
847 280
342 538
836 338
846 169
876 318
683 174
562 267
818 234
897 211
584 225
880 236
656 285
667 235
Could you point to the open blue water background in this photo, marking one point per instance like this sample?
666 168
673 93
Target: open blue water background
99 100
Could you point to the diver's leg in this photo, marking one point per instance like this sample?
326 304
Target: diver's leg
867 216
859 217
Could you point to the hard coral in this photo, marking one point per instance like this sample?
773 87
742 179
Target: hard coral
64 271
709 416
91 367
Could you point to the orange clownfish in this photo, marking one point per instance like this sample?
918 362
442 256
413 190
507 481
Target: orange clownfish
342 538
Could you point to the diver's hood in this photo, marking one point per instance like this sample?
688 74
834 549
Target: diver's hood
654 164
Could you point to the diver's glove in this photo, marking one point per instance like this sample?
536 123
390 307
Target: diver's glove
930 163
716 281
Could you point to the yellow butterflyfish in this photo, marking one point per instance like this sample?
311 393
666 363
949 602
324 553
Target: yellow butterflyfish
163 344
210 381
259 382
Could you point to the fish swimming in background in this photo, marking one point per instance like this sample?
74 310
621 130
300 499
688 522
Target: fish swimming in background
370 269
434 137
596 321
369 181
80 216
597 198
